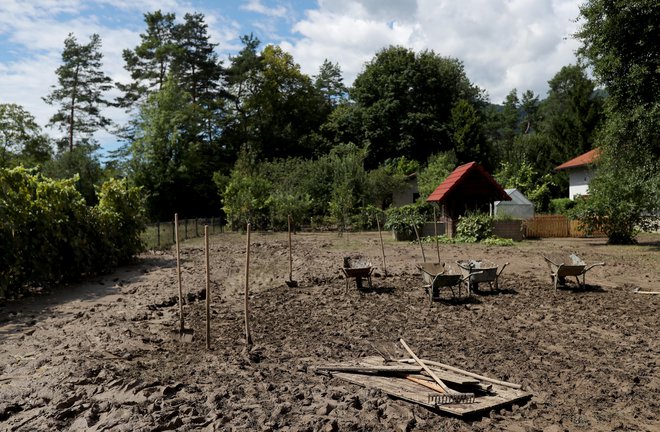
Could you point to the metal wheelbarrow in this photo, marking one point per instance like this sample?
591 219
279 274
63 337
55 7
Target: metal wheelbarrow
440 275
478 271
568 265
357 268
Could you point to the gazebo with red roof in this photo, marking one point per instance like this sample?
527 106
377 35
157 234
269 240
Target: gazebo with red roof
468 188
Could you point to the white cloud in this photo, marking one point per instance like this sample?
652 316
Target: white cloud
504 44
258 7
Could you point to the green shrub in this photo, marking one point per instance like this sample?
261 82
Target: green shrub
497 241
473 228
49 235
562 206
442 239
403 219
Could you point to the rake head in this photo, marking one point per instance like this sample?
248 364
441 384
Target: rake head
443 399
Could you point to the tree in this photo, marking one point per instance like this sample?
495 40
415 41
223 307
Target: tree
330 83
79 92
437 169
149 63
168 161
572 113
80 163
468 134
619 40
348 183
405 101
21 139
276 108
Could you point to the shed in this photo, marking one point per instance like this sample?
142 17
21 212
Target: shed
518 208
580 172
468 188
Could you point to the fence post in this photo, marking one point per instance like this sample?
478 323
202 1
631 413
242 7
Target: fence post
173 233
158 233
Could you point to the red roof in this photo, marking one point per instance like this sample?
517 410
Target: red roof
473 178
584 159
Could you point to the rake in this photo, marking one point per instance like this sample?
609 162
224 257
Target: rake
449 395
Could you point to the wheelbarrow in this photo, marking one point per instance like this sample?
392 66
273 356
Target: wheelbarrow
478 271
357 268
440 275
568 265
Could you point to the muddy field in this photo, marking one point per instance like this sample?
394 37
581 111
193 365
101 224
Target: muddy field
106 354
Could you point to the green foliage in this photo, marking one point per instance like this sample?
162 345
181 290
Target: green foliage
537 188
246 196
79 91
368 218
442 239
468 134
403 102
80 163
121 216
401 165
619 40
50 236
348 182
563 206
621 202
474 228
404 219
437 169
572 113
381 185
497 241
21 139
284 204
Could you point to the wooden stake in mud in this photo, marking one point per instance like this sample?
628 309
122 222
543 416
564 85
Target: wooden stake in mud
435 230
248 337
419 241
208 287
178 270
290 283
382 246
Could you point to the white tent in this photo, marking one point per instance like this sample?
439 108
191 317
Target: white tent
518 208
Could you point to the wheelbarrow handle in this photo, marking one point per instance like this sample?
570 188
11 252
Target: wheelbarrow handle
502 269
592 266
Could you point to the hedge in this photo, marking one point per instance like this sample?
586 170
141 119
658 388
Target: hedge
49 235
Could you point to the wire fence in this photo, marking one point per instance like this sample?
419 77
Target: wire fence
161 234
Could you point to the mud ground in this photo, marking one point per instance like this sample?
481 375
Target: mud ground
106 354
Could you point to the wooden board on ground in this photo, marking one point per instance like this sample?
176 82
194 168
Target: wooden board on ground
397 386
407 390
444 375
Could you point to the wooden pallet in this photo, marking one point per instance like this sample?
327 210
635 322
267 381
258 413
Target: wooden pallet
497 396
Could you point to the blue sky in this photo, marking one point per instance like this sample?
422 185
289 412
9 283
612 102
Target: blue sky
504 44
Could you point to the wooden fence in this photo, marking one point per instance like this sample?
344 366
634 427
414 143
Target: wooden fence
161 234
541 226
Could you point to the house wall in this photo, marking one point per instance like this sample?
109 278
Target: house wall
578 182
407 195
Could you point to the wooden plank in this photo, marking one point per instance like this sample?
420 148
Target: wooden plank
370 369
443 374
415 393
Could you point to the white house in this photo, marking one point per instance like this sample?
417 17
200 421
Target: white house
580 172
518 208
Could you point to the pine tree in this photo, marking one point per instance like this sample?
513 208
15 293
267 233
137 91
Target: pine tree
79 91
149 63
